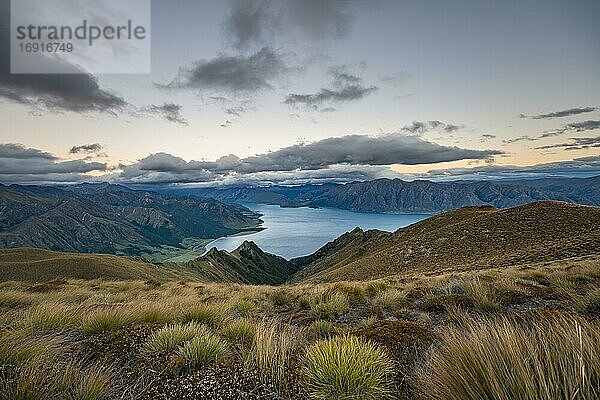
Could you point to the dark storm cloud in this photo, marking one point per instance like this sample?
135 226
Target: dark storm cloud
575 144
233 73
252 22
563 113
419 127
86 148
21 164
78 91
345 87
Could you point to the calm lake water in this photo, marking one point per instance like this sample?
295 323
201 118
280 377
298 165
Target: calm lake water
294 232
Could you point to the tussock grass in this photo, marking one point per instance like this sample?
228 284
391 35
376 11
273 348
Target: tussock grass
52 317
320 329
390 299
347 367
208 314
552 358
282 298
204 349
19 346
330 308
106 320
273 353
170 337
47 379
245 307
375 287
240 331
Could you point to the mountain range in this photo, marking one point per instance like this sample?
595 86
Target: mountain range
103 218
471 238
420 196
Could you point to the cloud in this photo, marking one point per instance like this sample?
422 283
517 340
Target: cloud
580 167
584 126
524 138
563 113
345 87
256 22
575 144
419 127
233 74
77 91
351 152
21 164
86 148
169 111
486 136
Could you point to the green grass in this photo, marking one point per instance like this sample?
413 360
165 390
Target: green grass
347 368
105 320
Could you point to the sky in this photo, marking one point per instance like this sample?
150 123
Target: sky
294 91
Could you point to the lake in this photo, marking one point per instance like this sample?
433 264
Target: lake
294 232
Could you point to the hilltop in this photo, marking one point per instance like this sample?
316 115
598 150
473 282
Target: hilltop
469 238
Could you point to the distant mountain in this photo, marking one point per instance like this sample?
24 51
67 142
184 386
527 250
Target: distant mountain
469 238
103 218
385 195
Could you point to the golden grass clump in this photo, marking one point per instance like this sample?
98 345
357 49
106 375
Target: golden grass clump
553 357
208 314
347 367
273 353
330 308
108 319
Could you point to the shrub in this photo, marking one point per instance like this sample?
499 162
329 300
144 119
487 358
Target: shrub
551 358
204 349
212 315
347 367
241 330
169 337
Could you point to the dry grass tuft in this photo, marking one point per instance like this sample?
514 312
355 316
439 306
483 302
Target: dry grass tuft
504 358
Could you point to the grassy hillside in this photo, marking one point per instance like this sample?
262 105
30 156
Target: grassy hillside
520 332
247 264
38 265
469 238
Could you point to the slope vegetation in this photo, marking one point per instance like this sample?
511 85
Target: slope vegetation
469 238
